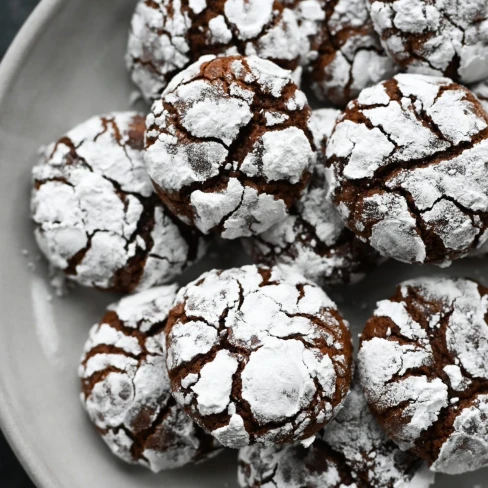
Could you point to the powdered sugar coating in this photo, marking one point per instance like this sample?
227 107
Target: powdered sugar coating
435 37
409 160
167 36
313 237
423 367
126 389
341 52
96 215
470 451
351 451
229 146
258 355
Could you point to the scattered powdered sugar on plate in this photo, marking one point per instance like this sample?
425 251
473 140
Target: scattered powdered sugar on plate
422 362
258 355
229 146
351 451
166 36
31 261
47 330
126 389
435 37
97 217
409 162
313 237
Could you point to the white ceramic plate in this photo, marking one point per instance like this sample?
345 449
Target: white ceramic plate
66 65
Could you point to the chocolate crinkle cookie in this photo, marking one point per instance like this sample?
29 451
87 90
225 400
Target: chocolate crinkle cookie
167 36
313 237
229 147
258 355
435 37
341 51
351 451
422 362
409 159
96 214
126 389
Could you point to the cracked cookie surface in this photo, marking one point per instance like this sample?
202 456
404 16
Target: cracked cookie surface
341 52
258 355
167 36
351 451
126 389
97 217
409 158
435 37
313 237
422 362
229 147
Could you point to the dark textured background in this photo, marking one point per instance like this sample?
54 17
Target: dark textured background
12 15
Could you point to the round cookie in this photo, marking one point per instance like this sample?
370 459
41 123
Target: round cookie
342 53
126 389
258 355
481 91
167 36
435 37
229 147
313 237
351 451
97 217
409 158
423 367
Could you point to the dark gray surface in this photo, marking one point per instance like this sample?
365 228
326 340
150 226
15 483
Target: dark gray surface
12 15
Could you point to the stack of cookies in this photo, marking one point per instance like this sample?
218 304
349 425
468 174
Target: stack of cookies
391 164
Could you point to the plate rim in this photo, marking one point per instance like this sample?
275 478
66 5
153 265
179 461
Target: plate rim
10 66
